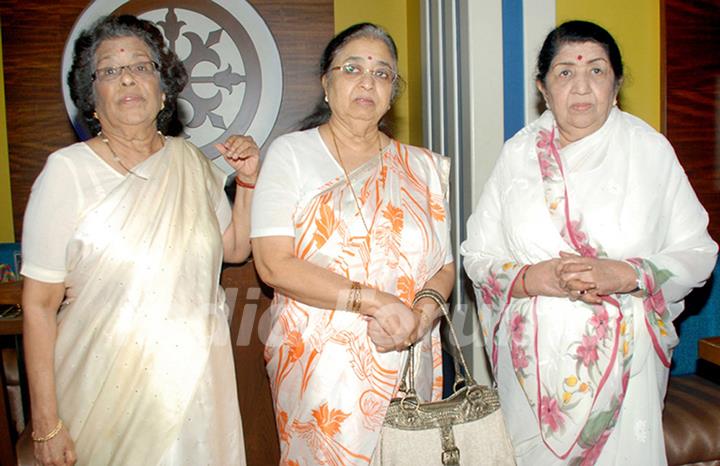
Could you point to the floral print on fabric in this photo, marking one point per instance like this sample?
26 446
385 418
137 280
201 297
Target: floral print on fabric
578 398
330 386
657 314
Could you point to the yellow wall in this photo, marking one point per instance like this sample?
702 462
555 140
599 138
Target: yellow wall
401 18
635 25
7 235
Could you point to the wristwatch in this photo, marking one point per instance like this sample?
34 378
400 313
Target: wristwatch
639 286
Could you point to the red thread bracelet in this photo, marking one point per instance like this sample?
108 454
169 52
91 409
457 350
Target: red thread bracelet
243 184
522 280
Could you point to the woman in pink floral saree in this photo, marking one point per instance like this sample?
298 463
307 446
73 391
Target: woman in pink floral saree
582 247
347 226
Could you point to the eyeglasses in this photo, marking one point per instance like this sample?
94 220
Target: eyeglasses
354 72
140 69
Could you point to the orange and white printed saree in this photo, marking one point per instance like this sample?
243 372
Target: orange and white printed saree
330 386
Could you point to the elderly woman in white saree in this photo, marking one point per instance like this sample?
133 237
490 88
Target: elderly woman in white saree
348 226
127 345
584 243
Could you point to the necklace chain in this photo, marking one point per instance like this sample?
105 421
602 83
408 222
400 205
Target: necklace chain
347 177
117 159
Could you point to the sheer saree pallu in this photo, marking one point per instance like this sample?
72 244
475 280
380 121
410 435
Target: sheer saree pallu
330 386
566 366
142 336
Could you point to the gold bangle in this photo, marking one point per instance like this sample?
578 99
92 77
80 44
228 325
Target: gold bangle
354 299
49 436
358 298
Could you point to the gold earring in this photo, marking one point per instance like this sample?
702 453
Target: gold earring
95 115
326 99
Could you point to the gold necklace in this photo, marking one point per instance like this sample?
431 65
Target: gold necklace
117 159
347 177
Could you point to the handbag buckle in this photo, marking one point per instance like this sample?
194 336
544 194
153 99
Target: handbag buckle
451 457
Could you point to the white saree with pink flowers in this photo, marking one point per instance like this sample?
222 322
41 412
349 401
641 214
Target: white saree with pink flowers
584 384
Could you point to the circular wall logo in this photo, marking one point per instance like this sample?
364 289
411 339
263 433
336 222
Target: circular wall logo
233 63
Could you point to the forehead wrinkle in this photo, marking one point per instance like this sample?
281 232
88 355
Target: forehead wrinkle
355 58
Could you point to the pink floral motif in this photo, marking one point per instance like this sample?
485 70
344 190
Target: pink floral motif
486 295
599 322
545 139
494 284
546 165
580 240
590 456
519 357
517 327
491 290
550 413
655 301
587 351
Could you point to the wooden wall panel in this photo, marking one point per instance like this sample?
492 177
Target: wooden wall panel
253 300
34 33
693 96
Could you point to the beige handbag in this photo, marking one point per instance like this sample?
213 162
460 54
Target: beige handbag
465 429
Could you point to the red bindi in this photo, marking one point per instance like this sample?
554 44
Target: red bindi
579 57
369 57
122 50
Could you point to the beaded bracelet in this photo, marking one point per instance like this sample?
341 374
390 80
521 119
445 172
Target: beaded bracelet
49 436
243 184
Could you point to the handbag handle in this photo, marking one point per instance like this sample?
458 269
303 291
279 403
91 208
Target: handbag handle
407 382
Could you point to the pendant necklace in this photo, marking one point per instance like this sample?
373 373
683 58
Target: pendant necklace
117 159
347 177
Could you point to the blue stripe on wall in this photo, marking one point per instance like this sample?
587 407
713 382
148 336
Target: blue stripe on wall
513 74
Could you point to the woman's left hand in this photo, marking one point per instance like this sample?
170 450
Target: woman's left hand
243 154
608 276
384 342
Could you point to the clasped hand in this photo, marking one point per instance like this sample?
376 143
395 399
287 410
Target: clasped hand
580 278
392 326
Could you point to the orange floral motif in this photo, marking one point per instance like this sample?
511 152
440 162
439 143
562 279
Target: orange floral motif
437 211
291 463
282 420
396 217
296 345
329 420
325 225
383 175
406 288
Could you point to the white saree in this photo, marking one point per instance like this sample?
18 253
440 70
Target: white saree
143 360
582 384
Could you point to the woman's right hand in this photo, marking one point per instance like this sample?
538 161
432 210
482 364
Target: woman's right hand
544 279
397 323
58 451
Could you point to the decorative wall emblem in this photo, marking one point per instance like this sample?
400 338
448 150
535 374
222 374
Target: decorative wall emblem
234 65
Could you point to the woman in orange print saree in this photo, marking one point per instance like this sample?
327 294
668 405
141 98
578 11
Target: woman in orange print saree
347 235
